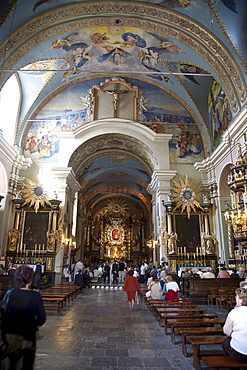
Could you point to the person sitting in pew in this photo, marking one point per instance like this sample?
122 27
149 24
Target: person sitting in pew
236 328
156 291
170 289
208 274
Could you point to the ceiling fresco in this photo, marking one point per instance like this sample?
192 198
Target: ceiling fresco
188 58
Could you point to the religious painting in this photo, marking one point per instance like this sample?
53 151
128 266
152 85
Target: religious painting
116 234
220 115
188 231
35 229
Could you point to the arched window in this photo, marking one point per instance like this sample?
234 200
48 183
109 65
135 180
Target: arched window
10 99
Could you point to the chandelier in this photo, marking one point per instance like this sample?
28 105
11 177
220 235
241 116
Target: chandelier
237 182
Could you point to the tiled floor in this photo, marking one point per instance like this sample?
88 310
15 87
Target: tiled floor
99 331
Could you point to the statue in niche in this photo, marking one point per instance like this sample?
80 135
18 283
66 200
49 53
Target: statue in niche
51 240
171 242
13 236
210 242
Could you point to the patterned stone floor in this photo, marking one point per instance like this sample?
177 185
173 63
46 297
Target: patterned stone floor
99 331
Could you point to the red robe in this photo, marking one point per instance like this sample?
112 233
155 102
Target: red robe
131 286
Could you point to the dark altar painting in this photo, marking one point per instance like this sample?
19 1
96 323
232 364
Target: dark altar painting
188 231
35 229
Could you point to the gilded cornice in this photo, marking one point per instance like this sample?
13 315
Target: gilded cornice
151 18
7 15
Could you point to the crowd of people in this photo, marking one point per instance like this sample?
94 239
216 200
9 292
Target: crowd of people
25 310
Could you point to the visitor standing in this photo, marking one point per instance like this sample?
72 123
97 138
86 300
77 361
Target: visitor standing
24 314
131 286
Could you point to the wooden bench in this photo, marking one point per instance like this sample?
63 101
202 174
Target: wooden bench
221 362
53 303
73 289
66 296
199 341
184 310
176 324
199 289
185 332
176 316
157 310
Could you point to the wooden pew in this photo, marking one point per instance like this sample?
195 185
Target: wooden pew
184 310
53 303
158 309
221 362
199 289
185 332
176 324
66 296
199 341
172 316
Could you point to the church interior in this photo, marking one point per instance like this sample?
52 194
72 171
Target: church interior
123 132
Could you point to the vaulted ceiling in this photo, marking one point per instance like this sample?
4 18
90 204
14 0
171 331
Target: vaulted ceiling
190 53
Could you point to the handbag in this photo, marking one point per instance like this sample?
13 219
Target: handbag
3 306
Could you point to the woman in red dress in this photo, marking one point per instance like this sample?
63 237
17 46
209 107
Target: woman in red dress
131 286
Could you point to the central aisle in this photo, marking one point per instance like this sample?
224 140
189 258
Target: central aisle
99 331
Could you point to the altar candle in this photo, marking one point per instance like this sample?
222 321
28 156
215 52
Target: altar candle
184 249
43 247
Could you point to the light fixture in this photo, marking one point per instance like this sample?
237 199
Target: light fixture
237 182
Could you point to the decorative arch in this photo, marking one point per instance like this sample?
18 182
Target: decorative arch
224 190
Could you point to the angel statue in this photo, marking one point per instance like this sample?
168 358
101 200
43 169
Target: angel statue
171 242
51 240
13 236
210 242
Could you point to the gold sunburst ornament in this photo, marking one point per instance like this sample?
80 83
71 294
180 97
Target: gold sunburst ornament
35 194
187 194
117 207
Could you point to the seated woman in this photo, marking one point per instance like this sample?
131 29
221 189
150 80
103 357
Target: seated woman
170 289
236 328
156 292
151 280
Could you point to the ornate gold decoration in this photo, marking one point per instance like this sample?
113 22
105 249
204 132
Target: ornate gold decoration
237 182
186 194
35 194
117 207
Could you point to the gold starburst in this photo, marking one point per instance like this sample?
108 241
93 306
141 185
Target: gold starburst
35 194
117 207
187 194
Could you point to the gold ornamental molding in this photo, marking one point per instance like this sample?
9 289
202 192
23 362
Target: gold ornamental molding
151 18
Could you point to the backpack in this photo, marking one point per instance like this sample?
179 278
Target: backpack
3 306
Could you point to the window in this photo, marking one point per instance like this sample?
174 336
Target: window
10 97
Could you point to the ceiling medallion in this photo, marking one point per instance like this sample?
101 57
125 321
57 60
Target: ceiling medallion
34 194
186 194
